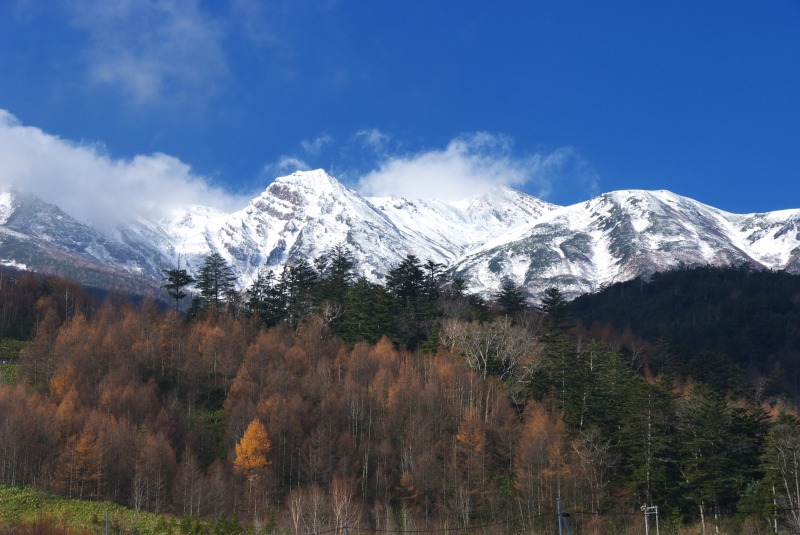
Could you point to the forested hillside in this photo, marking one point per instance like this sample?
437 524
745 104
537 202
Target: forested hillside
315 400
735 328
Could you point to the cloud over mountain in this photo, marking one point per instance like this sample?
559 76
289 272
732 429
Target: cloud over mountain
473 164
95 187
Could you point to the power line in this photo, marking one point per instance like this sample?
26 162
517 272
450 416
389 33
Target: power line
440 530
327 531
505 522
622 513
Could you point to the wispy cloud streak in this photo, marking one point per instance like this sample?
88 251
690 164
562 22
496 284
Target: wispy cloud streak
153 51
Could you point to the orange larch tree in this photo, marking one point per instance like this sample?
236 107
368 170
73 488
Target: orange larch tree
252 450
251 454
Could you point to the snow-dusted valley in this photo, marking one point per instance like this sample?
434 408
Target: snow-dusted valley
501 235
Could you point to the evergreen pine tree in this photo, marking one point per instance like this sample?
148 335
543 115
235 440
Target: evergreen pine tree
718 450
434 279
297 284
216 281
510 298
177 280
265 298
646 441
406 280
336 274
554 304
368 314
413 312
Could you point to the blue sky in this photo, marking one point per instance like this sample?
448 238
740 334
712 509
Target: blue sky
210 100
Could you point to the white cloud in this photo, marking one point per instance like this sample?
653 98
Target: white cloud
473 164
285 165
372 138
316 146
290 163
260 21
94 187
168 49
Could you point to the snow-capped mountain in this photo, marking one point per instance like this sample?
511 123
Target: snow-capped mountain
501 235
308 213
39 236
620 235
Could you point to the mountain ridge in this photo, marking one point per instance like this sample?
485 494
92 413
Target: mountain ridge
499 236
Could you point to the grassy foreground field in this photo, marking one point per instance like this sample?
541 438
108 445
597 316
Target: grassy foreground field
24 510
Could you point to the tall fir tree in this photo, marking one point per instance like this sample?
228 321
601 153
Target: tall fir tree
297 283
554 304
216 281
336 273
368 314
176 282
510 298
646 439
264 298
719 447
406 280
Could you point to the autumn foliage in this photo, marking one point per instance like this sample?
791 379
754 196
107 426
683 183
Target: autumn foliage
138 406
222 415
252 450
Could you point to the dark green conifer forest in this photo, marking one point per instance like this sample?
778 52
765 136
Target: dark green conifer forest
315 399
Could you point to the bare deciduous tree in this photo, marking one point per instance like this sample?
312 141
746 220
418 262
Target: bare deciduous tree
499 344
346 512
783 460
597 458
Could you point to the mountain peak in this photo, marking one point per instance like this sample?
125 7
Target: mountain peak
315 177
489 239
301 187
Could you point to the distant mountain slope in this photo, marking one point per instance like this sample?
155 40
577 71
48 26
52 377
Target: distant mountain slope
620 235
39 236
502 235
700 321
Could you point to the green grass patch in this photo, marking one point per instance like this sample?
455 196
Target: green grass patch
8 374
24 506
11 348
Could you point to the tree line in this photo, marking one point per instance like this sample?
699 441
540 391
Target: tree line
407 307
295 410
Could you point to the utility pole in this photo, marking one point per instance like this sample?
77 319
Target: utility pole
650 510
562 518
558 508
774 510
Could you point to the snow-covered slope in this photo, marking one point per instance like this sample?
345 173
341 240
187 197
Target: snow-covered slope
299 216
772 238
40 236
306 214
623 234
6 205
501 235
457 226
